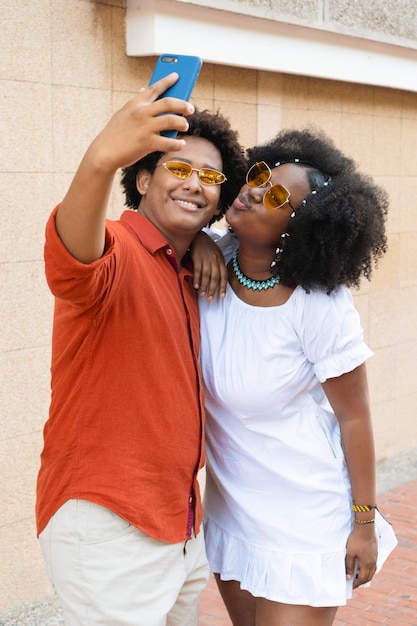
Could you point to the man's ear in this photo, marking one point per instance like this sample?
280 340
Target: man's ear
143 178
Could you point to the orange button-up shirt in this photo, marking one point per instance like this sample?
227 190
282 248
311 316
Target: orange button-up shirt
126 423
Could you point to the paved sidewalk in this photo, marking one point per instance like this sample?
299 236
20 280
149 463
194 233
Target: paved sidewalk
392 597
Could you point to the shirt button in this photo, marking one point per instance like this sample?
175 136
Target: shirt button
169 251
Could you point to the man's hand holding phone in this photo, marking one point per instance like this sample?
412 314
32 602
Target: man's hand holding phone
150 121
135 130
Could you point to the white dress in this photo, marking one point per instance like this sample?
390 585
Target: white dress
277 497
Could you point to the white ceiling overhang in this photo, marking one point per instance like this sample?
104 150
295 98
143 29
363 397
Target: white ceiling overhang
220 34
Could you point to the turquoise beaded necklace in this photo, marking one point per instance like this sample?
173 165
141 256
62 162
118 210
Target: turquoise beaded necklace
249 283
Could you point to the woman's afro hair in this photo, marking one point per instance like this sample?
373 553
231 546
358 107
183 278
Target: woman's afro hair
338 232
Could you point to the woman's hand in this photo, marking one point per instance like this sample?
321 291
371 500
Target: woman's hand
362 547
348 395
210 271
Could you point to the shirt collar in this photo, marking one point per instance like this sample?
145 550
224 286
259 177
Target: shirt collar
151 238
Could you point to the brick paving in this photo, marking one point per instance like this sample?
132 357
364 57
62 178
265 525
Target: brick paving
392 597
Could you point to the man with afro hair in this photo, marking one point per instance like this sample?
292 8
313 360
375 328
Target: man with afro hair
118 503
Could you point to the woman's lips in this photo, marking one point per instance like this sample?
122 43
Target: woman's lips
241 202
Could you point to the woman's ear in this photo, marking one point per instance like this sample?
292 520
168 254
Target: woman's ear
143 178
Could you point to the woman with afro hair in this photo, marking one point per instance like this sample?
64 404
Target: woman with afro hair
292 523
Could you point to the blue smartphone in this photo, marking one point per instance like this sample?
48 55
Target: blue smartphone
188 69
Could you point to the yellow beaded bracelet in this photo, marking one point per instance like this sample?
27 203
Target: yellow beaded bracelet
363 508
364 521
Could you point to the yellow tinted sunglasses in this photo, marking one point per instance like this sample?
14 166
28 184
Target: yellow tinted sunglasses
259 175
183 170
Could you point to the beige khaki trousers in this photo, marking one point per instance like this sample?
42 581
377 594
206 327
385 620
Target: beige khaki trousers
107 572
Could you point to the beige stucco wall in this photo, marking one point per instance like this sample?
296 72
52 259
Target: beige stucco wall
63 72
390 21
